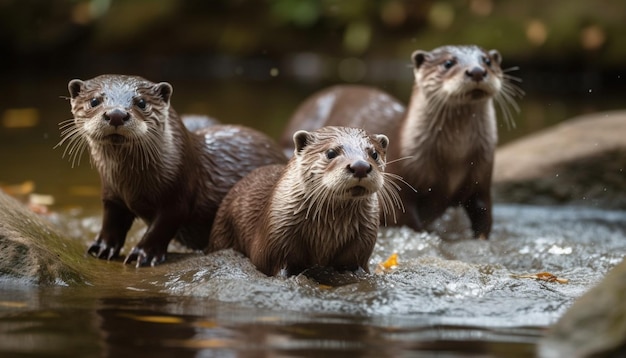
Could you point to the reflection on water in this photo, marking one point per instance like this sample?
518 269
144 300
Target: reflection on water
158 326
449 296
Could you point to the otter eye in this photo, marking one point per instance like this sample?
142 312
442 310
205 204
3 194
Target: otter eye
141 103
94 102
374 155
448 64
487 61
331 153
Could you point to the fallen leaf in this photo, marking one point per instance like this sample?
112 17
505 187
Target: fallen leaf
389 264
543 276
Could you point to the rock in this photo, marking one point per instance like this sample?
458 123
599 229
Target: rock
595 325
581 161
33 251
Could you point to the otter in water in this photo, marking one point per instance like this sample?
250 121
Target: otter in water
320 210
443 143
151 167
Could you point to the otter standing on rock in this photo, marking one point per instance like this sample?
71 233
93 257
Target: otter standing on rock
152 167
320 210
443 144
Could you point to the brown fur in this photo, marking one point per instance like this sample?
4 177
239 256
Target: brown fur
151 167
317 211
443 143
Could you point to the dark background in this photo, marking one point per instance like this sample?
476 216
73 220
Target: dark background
564 48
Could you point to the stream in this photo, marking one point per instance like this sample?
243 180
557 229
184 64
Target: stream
448 296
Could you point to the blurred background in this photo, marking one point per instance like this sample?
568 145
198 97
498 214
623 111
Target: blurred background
254 61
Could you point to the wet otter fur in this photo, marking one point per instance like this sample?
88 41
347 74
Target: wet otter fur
151 167
320 210
443 144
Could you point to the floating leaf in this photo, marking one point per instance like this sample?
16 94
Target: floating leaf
543 276
389 264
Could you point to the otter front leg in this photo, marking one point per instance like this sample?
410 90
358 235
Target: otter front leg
408 215
355 255
411 217
116 222
478 208
152 248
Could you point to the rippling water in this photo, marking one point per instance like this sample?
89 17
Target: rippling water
449 296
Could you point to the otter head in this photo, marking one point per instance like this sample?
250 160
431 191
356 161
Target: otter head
340 162
458 74
116 109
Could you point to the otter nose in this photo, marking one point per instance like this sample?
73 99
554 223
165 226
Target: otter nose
476 73
360 168
116 117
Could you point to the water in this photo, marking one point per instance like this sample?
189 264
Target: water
160 326
449 296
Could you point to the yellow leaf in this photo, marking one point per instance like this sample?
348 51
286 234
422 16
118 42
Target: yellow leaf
389 264
543 276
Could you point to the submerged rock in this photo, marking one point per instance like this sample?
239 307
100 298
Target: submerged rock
581 161
33 251
595 325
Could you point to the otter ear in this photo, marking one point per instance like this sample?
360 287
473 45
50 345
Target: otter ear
164 90
383 140
495 55
75 86
418 57
300 140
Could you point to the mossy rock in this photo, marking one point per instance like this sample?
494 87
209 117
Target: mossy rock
33 251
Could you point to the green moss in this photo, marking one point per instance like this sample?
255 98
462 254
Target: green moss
33 249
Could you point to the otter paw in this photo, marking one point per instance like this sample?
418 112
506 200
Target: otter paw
144 258
104 251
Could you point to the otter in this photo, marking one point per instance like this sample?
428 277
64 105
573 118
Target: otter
443 144
319 210
151 167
